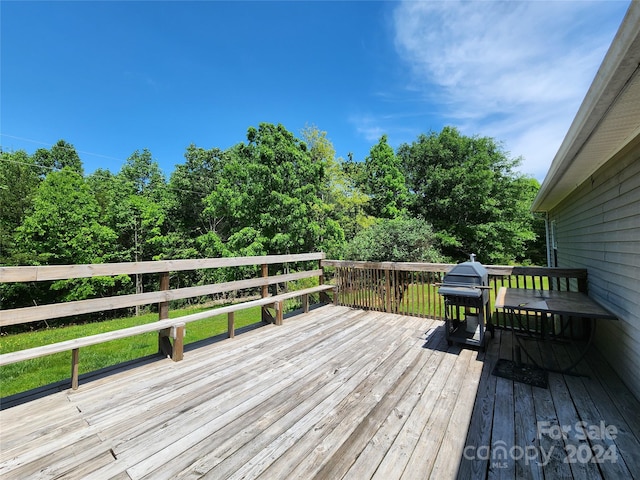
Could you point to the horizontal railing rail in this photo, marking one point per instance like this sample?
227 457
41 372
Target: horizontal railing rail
80 307
65 272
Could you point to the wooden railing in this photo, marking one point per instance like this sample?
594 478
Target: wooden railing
403 288
393 287
410 288
167 328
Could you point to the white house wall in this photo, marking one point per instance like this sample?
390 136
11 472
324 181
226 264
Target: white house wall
598 228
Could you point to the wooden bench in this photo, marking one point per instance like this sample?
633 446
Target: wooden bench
304 293
174 328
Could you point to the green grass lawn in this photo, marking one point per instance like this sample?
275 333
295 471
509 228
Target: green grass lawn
22 376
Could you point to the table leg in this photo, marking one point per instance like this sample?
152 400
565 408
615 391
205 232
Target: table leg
574 364
520 347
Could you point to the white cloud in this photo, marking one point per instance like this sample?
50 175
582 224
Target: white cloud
516 71
368 126
371 126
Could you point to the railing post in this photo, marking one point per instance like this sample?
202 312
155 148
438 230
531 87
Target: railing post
163 307
323 295
163 314
582 284
265 293
265 274
387 279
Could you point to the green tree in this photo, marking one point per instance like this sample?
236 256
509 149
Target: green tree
384 182
142 176
468 189
272 186
395 240
63 228
105 188
62 154
190 183
140 212
345 203
19 180
141 209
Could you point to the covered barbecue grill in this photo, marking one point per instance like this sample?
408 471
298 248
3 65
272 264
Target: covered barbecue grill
465 289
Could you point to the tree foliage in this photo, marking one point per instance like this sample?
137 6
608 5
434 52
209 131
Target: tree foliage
270 195
19 179
395 240
63 226
61 155
384 182
141 211
468 189
344 201
191 182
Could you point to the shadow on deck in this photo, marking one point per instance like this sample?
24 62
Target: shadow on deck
335 393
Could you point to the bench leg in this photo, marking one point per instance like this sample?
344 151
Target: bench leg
231 325
266 315
178 342
75 363
164 344
279 312
175 351
327 299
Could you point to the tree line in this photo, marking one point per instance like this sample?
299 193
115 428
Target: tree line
439 198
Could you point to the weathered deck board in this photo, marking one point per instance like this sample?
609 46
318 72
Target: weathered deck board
590 416
551 457
293 389
459 421
425 452
525 431
248 386
366 464
335 393
394 463
504 421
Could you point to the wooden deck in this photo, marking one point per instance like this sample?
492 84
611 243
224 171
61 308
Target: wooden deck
335 393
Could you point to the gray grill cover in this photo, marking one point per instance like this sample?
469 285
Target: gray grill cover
462 278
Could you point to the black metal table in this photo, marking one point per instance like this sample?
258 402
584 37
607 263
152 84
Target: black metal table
518 301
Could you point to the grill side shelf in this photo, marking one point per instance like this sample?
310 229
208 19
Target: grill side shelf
460 291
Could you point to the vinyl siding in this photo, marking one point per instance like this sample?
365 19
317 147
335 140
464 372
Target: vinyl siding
598 228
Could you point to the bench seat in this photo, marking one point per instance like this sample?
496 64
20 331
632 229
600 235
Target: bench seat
173 327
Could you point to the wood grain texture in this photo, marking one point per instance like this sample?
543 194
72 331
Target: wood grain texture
334 393
43 312
21 355
61 272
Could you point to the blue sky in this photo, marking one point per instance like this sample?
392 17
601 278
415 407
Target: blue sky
115 77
